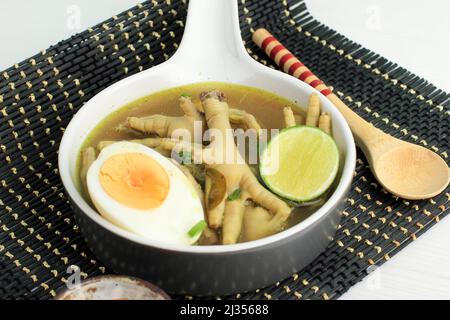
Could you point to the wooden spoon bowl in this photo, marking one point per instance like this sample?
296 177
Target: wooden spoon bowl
410 171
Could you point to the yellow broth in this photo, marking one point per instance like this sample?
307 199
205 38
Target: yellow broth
265 106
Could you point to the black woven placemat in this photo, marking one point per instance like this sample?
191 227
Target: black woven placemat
38 237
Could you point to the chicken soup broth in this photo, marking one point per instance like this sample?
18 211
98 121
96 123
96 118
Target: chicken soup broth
267 109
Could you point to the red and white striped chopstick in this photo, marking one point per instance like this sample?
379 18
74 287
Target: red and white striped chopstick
292 65
287 61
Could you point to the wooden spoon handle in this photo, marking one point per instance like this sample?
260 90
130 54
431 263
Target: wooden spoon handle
362 130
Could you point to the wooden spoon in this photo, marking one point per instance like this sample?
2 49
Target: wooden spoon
404 169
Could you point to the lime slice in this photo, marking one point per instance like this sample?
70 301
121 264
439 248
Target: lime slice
300 163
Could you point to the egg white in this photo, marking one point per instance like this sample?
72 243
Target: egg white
170 222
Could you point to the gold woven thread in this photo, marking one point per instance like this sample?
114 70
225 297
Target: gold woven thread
368 110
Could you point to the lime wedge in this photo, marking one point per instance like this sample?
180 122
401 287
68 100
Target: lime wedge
300 163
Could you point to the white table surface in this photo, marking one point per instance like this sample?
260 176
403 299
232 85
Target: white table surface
413 33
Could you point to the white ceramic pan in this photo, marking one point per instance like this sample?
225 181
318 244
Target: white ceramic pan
211 50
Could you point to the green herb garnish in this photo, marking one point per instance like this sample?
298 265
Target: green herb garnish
197 228
185 157
236 194
186 95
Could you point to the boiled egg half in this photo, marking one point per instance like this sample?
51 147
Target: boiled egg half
139 190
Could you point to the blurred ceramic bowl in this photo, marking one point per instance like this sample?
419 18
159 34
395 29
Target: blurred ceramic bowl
113 288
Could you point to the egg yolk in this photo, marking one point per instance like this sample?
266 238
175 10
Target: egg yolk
135 180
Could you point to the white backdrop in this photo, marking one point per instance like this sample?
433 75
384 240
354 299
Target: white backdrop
413 33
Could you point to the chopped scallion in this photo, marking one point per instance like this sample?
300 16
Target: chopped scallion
185 157
236 194
197 228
